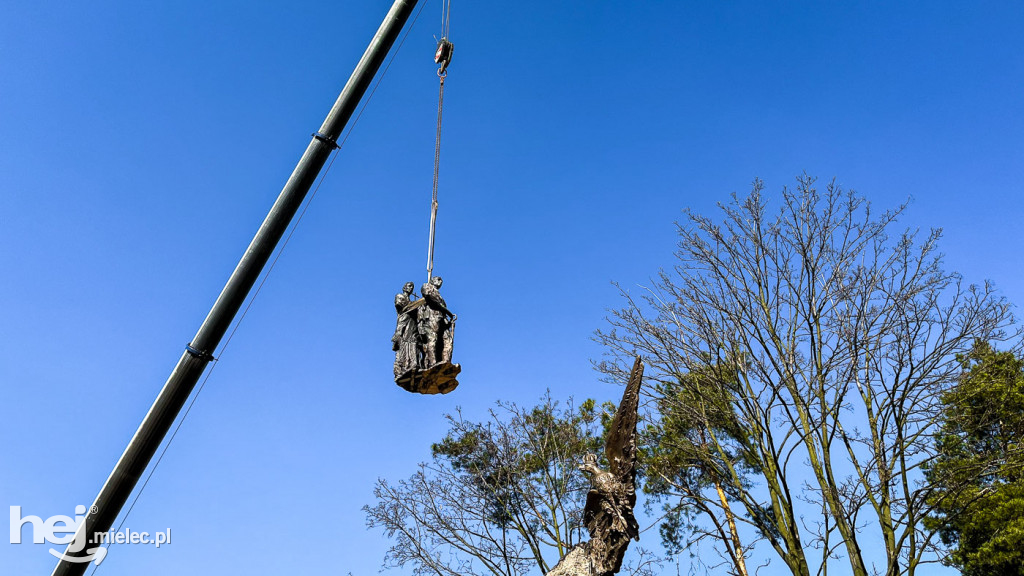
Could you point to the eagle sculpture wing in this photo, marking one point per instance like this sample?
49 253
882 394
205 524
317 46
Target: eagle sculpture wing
621 444
610 502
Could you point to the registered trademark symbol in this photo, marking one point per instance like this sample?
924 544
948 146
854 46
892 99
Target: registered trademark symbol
94 510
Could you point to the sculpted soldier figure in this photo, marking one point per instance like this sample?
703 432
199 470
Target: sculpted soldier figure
423 339
405 342
435 325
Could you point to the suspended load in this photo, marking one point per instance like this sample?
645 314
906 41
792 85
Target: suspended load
423 340
425 333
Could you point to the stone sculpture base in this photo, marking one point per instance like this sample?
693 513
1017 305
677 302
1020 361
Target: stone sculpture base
438 379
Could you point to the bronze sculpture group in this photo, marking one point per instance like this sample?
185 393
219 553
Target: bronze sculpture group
423 340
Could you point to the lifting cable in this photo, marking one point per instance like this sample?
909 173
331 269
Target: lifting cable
443 57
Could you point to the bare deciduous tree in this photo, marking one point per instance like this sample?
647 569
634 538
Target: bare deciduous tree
500 498
801 357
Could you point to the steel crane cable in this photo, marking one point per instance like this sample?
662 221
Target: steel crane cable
446 14
443 57
437 163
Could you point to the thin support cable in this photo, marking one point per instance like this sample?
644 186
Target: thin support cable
446 17
437 164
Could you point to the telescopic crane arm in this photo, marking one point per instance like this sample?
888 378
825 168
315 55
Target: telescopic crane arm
198 354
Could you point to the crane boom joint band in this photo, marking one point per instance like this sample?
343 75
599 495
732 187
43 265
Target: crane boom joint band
199 354
332 142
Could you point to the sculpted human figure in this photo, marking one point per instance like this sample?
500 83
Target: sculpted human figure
423 341
405 341
435 322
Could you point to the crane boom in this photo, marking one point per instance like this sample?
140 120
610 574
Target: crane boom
197 355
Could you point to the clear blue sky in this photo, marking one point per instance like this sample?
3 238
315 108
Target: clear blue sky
141 144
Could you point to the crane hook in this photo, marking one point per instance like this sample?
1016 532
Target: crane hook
443 55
